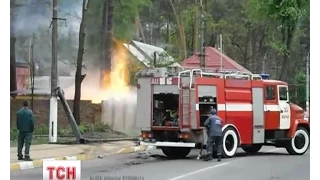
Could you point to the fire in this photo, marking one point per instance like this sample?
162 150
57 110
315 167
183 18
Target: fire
119 77
115 83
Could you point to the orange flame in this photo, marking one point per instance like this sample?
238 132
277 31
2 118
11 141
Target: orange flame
119 76
116 82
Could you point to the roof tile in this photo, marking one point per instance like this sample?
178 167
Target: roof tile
213 61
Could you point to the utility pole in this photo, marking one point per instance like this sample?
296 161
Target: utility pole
151 28
13 76
196 30
106 64
54 76
202 43
264 63
220 52
307 81
32 68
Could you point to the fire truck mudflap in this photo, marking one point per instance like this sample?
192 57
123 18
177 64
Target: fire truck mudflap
168 144
172 149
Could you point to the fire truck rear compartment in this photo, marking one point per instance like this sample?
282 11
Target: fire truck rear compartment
165 109
204 107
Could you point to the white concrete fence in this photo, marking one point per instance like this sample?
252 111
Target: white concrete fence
120 114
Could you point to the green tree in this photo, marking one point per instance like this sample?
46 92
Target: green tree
79 77
124 16
287 16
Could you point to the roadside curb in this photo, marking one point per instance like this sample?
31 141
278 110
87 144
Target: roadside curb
82 157
131 149
97 140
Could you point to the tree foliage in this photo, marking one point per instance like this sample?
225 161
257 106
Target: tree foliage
262 35
124 17
287 15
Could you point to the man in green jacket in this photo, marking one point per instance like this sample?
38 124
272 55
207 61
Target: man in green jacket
25 125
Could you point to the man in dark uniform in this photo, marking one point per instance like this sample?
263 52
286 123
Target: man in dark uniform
25 125
214 125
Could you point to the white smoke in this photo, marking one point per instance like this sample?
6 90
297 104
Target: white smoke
36 15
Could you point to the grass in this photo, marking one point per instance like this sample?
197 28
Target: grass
41 140
40 135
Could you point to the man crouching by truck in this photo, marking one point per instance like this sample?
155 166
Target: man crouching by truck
214 126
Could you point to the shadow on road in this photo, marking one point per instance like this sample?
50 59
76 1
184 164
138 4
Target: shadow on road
162 157
193 157
143 158
243 154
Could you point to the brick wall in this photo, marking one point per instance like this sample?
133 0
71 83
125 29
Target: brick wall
22 77
90 113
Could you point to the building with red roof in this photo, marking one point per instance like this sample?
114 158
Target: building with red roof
212 61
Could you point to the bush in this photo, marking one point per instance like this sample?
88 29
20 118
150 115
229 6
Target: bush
13 134
97 127
41 130
44 130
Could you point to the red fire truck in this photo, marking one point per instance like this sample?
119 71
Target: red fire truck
171 110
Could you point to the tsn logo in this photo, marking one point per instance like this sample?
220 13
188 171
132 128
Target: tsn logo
61 170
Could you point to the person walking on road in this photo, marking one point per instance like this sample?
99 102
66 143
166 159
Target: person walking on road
25 126
214 125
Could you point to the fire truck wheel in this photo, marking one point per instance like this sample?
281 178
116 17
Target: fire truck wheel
254 148
230 142
176 152
299 144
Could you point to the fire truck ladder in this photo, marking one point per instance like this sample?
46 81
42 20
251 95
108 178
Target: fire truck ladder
227 75
185 95
185 103
184 100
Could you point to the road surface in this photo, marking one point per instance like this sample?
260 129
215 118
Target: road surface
269 164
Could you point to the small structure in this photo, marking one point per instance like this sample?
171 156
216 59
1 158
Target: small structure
149 55
212 61
22 74
42 87
175 67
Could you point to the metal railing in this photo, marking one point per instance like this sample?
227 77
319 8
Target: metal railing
226 74
222 74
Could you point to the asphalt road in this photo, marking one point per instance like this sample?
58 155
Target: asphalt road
269 164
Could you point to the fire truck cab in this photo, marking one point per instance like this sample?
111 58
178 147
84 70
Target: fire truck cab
172 108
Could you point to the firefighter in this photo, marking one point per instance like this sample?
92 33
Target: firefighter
171 118
214 125
208 130
166 118
25 125
174 117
